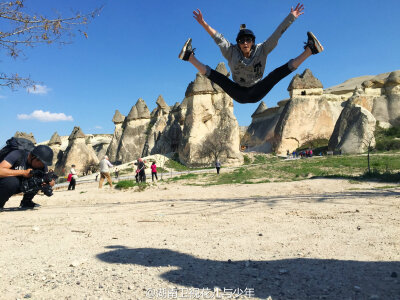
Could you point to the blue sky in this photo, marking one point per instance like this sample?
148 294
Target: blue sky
132 47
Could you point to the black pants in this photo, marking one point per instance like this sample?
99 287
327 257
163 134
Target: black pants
72 184
141 176
10 186
254 93
152 176
218 169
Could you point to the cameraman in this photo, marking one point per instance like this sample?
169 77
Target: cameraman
18 164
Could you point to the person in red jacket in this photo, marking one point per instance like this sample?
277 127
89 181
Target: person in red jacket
153 171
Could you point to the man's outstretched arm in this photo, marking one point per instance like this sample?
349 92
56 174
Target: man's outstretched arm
272 41
197 14
223 44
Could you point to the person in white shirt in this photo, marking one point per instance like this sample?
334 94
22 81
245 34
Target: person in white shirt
105 166
74 177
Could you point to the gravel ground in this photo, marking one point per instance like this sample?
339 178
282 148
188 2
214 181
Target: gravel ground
311 239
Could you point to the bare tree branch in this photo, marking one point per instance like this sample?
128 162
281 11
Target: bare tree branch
19 29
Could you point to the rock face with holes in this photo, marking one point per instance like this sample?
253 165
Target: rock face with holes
376 101
205 108
78 153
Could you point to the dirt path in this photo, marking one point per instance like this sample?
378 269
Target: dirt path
312 239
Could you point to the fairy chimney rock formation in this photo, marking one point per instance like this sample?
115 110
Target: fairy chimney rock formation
55 145
118 117
161 105
55 139
260 109
221 68
134 133
25 135
203 113
76 134
201 85
305 85
78 153
112 149
133 114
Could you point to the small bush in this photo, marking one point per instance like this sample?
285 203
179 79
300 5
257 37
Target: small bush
125 184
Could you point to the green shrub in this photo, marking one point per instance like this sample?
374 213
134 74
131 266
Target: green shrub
125 184
386 144
246 159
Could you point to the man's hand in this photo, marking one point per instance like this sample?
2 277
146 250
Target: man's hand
199 17
27 173
298 11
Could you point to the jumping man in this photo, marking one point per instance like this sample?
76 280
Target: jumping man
247 60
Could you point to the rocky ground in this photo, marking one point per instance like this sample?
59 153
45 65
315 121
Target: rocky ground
311 239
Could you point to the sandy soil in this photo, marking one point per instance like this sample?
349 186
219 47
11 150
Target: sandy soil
312 239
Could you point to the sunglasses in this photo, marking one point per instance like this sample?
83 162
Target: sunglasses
246 39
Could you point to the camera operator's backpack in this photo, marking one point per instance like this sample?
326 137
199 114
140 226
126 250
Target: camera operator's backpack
16 144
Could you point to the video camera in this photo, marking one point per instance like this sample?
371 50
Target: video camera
40 181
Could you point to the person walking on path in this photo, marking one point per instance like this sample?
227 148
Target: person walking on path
74 177
153 171
116 172
217 166
247 60
105 166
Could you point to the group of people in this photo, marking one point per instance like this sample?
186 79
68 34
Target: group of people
301 154
140 170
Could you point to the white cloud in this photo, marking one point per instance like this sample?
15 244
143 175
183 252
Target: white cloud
45 116
98 127
38 89
2 97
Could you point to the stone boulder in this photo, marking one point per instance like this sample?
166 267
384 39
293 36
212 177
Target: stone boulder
354 130
78 153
